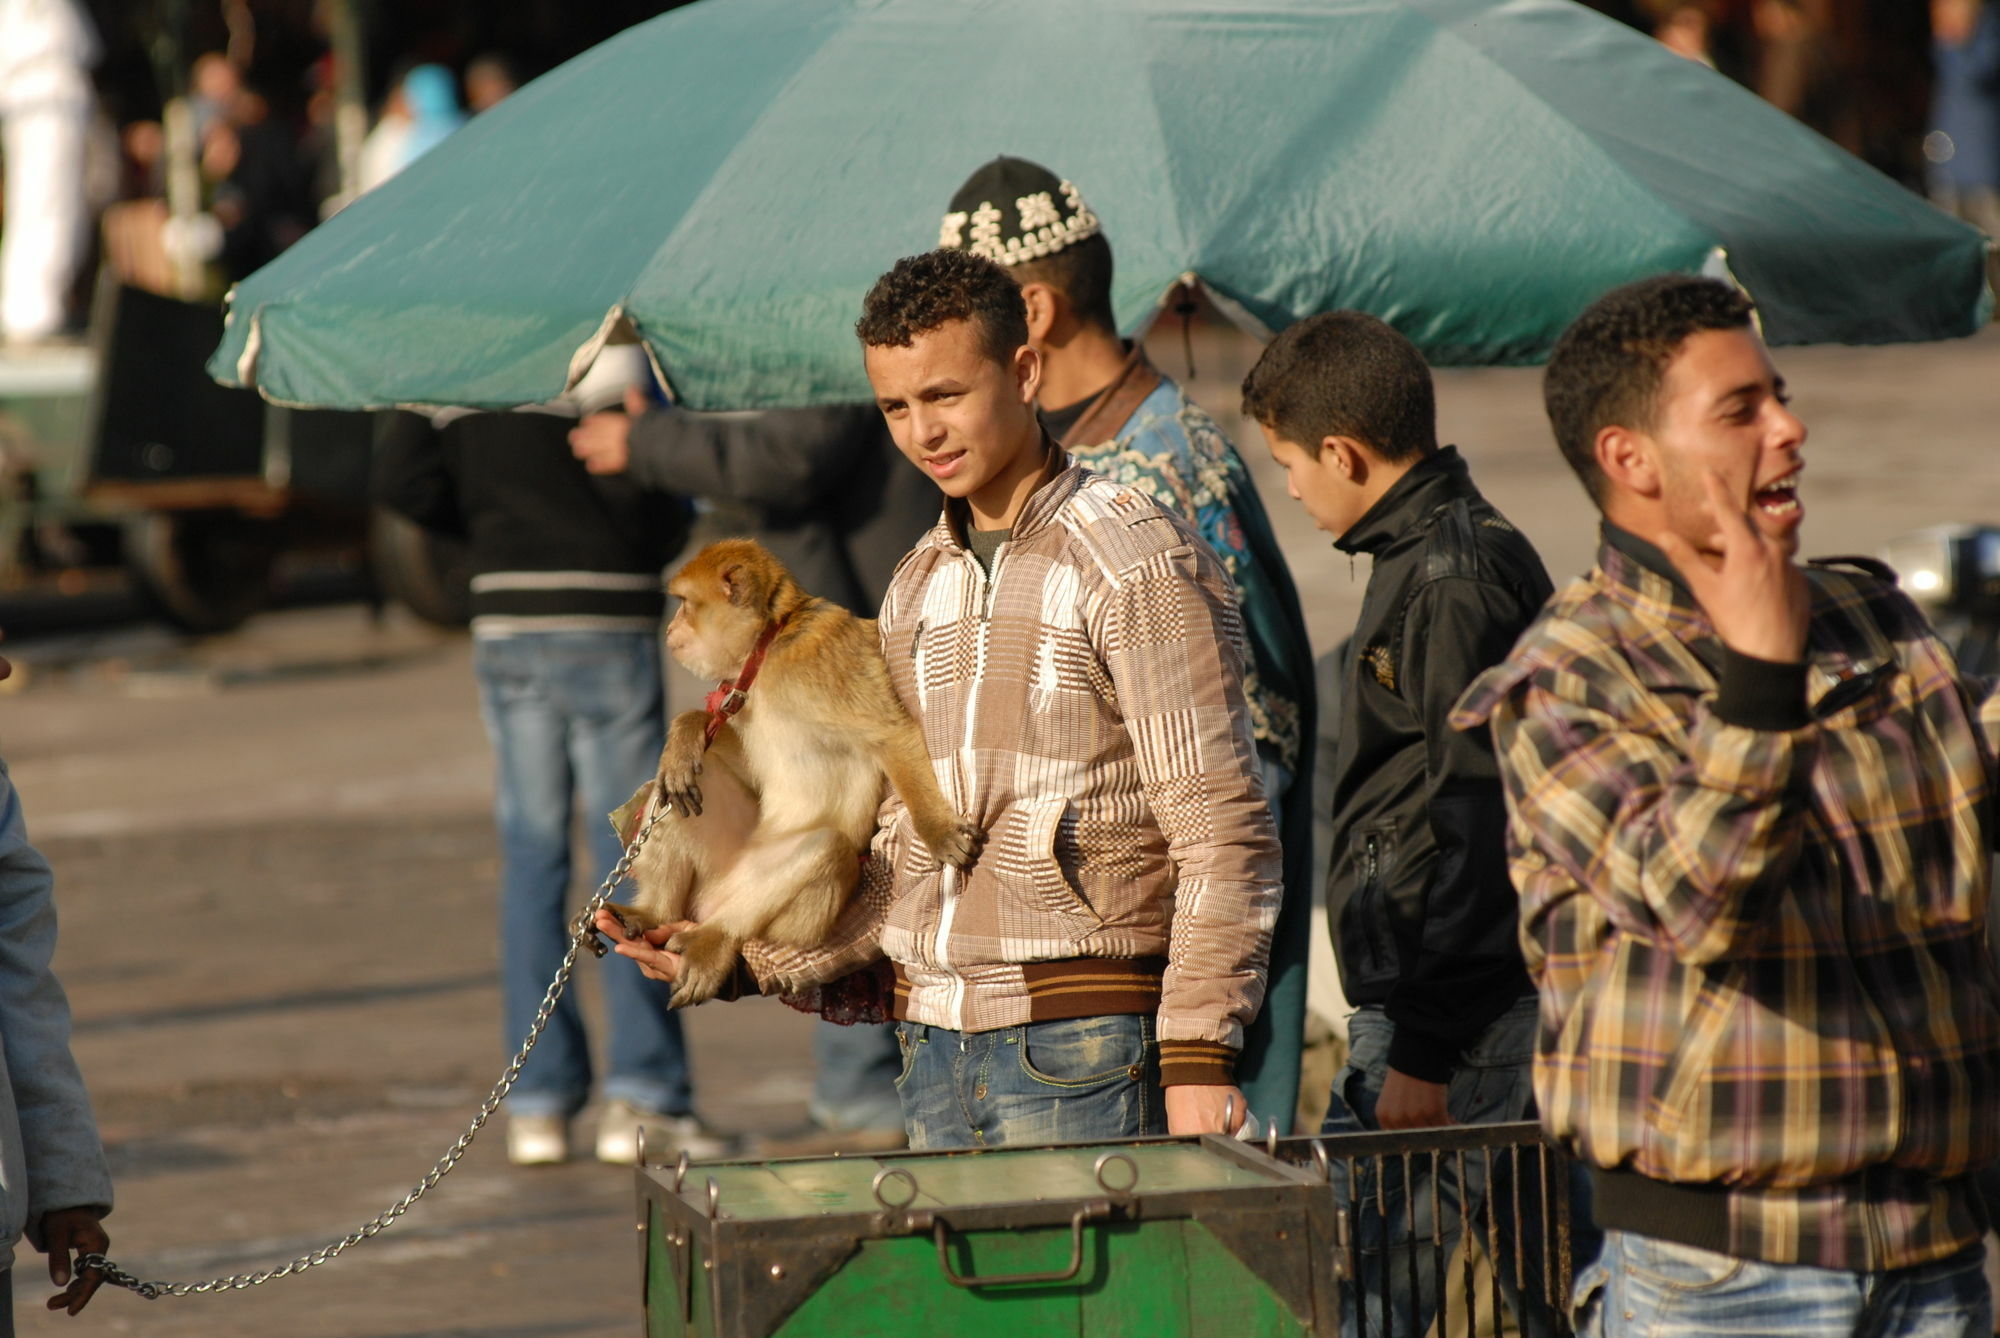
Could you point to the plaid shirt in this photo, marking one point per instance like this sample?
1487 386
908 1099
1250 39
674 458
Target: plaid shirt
1762 952
1084 706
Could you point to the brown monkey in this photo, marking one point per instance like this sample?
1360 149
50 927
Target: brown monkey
768 843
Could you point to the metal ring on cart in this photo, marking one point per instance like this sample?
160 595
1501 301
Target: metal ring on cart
714 1199
883 1177
1104 1162
1229 1114
680 1170
1323 1162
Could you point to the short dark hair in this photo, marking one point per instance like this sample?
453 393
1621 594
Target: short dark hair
1345 374
924 292
1607 367
1081 272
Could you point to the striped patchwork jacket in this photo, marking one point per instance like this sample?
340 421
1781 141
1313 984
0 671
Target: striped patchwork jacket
1084 706
1754 897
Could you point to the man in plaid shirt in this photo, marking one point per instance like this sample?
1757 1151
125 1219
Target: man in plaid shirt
1751 805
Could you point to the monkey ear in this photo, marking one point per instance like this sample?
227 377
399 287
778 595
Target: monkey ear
733 583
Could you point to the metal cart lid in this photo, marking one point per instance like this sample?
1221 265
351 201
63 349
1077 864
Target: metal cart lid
753 1191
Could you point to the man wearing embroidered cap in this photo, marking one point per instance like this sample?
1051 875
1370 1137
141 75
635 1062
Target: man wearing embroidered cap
1115 413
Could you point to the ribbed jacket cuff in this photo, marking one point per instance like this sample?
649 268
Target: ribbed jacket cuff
1761 694
1196 1064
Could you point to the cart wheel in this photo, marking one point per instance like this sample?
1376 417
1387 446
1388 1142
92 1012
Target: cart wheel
428 572
202 571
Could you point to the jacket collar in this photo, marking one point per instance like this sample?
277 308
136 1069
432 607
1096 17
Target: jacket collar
1643 577
1061 477
1428 484
1113 406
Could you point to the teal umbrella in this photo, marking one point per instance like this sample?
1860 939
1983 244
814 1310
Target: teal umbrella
726 180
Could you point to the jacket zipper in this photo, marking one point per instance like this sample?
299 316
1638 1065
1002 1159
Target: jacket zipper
1371 892
949 876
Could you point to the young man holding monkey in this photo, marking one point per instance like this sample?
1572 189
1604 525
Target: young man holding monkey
1104 402
1074 656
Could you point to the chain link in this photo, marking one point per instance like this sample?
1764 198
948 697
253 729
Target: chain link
580 931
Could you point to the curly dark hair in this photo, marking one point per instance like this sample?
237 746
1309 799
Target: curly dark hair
1345 374
1607 367
924 292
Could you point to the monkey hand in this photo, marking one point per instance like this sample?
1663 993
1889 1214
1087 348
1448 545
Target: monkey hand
953 841
625 922
707 962
680 763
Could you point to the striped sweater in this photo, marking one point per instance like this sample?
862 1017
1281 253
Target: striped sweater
1083 705
553 548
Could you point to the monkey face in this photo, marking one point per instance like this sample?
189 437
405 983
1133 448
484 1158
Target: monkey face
725 593
709 636
963 417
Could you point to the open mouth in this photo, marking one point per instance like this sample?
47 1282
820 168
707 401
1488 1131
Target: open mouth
1779 498
943 466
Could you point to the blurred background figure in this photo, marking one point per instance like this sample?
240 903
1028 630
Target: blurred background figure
258 182
419 114
566 604
488 80
1685 30
214 83
1962 150
46 50
1796 71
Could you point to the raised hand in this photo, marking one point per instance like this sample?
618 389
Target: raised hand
1755 595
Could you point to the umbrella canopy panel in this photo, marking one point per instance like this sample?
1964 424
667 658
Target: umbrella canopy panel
731 176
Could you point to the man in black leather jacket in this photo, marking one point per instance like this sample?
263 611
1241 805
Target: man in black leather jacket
1418 894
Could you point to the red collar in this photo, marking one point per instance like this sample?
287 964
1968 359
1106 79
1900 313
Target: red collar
731 693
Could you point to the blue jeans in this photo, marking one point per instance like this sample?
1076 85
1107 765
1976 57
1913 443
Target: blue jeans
573 714
854 1077
1643 1285
1080 1080
1398 1279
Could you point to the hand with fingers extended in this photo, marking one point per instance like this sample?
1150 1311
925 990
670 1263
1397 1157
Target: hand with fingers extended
69 1234
1754 594
648 950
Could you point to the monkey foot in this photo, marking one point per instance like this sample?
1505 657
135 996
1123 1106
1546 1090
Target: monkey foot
954 845
708 961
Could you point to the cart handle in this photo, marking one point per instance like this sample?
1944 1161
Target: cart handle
1089 1212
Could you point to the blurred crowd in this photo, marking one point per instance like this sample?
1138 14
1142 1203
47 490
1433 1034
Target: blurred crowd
221 143
273 134
1910 86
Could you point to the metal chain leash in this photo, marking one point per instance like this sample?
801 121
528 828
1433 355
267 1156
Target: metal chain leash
580 934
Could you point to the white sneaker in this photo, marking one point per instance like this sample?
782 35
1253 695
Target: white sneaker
666 1136
537 1140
